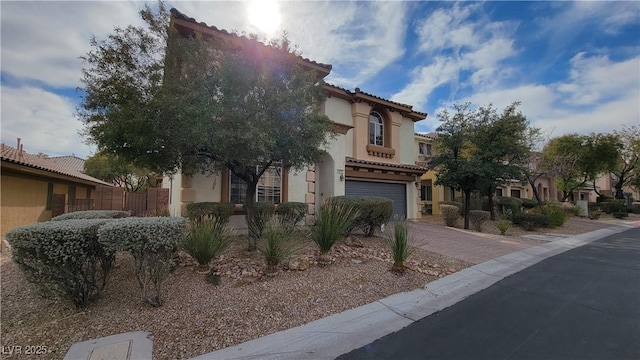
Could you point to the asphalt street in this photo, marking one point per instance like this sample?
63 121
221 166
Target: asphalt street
581 304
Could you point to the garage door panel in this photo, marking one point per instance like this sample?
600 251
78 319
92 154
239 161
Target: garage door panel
394 191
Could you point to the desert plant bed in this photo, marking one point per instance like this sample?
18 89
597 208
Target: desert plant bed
198 317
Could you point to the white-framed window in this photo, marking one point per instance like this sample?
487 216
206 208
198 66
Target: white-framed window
269 188
376 129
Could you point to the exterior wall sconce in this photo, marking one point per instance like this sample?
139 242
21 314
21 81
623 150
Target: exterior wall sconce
341 174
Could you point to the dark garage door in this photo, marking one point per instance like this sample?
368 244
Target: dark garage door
393 191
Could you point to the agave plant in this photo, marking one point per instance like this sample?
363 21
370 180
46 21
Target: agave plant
331 222
398 241
207 239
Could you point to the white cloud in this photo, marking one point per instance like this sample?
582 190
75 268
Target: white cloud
43 41
596 78
43 120
456 41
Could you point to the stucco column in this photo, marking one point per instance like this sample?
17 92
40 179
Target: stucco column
360 113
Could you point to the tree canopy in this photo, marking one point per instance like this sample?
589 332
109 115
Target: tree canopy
113 169
173 102
480 148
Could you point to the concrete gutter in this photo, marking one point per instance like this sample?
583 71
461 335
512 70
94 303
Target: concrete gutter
338 334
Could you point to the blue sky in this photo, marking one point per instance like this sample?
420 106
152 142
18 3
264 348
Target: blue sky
575 66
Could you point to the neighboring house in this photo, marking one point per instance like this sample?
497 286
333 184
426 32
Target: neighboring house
70 162
431 194
35 188
372 154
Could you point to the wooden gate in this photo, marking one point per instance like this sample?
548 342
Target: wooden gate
135 203
59 201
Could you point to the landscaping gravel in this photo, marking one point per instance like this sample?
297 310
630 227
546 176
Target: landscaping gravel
198 317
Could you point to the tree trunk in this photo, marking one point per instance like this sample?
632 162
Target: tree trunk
535 193
467 204
618 186
250 211
595 188
492 211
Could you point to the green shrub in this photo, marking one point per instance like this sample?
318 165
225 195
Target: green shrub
503 225
220 210
556 215
207 239
151 241
593 206
477 218
457 204
263 213
92 214
63 257
635 207
603 198
611 206
450 214
509 206
291 213
529 203
620 214
530 221
279 244
595 214
332 221
373 211
398 242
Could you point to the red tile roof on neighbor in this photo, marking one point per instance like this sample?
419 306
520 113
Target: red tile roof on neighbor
20 157
178 15
430 135
69 162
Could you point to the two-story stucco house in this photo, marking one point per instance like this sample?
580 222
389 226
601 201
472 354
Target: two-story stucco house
372 154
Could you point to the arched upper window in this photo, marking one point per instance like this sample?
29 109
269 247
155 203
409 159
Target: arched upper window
376 129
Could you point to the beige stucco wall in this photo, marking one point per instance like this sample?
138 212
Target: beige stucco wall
173 183
297 186
407 148
23 202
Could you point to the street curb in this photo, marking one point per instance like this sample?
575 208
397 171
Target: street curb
341 333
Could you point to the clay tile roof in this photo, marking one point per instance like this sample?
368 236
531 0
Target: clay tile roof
178 15
430 135
13 155
417 115
69 162
352 160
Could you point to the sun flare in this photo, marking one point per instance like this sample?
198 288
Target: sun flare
265 15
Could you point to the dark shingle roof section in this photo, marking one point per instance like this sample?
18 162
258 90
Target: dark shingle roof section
69 162
178 15
15 156
352 160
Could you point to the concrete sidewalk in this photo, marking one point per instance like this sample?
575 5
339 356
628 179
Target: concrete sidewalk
338 334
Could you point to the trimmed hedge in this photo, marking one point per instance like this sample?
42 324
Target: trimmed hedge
509 205
291 213
529 203
373 211
63 257
635 207
457 204
151 241
92 214
611 206
199 210
477 218
530 221
450 214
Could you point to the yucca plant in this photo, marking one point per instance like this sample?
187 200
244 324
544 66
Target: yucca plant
207 239
398 241
279 244
503 225
331 222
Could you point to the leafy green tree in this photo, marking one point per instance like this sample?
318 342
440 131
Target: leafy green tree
455 161
627 169
185 102
503 145
576 160
117 171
